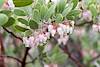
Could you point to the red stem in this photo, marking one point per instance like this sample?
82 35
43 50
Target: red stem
2 64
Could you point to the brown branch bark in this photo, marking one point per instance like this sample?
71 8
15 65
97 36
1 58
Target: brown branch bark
75 55
11 58
25 57
93 59
2 64
13 34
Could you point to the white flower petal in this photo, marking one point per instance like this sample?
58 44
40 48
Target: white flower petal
60 31
50 27
53 32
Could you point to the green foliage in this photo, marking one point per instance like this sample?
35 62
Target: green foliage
10 22
75 2
22 3
23 21
93 10
33 24
50 12
67 10
59 18
19 12
1 3
21 29
7 12
36 15
73 14
3 19
41 1
43 11
56 54
60 6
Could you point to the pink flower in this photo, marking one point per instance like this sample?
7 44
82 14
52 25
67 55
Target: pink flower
87 16
50 27
47 34
26 41
60 31
95 27
50 65
65 39
53 32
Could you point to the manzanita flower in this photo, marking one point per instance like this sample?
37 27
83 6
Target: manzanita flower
60 31
63 40
11 4
43 34
87 16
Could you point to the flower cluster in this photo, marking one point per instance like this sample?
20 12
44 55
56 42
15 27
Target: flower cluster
52 29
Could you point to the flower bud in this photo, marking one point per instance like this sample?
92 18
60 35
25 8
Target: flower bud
87 16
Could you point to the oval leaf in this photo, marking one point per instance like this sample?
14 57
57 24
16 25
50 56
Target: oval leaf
22 29
22 3
93 10
75 2
67 9
59 17
36 15
23 21
43 10
7 12
50 12
19 12
3 19
10 22
60 6
33 24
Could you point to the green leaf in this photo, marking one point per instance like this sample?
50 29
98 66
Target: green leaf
43 10
10 22
3 19
59 18
75 2
19 12
56 53
67 10
22 3
36 15
1 3
60 6
73 14
37 6
27 33
93 10
7 12
23 21
22 29
41 2
50 12
33 24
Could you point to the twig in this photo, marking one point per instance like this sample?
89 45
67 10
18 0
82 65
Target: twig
13 34
93 59
2 51
11 58
25 56
65 49
31 61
